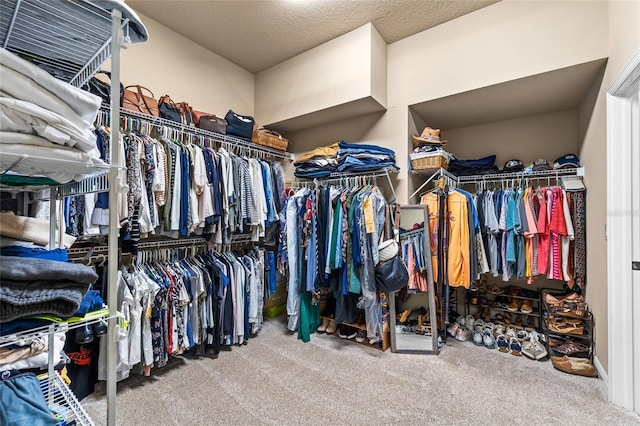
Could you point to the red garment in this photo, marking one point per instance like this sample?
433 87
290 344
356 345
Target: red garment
558 228
543 230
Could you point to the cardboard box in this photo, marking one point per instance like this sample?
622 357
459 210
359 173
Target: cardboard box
278 298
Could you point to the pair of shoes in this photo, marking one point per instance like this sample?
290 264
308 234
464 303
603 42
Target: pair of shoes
571 347
502 343
477 338
571 365
462 334
347 332
514 346
323 326
533 348
527 306
566 327
331 327
488 340
86 333
469 321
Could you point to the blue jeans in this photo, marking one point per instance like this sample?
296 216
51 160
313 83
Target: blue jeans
22 401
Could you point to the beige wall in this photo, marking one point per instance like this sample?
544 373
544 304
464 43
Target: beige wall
623 42
545 136
171 64
345 69
499 43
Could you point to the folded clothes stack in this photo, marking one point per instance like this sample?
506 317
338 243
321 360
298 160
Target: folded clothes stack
480 166
41 287
42 121
344 157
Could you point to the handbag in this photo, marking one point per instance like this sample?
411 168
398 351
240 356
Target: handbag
214 124
239 125
180 113
135 100
391 273
102 89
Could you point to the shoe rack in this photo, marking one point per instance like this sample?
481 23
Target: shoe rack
567 324
381 345
510 302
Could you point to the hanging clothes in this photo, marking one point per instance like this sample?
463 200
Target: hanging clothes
332 235
518 232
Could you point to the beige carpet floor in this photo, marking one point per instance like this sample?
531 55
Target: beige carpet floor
278 380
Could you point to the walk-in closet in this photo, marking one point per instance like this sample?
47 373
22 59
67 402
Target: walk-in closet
318 212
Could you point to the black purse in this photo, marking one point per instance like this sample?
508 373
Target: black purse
391 275
102 89
239 125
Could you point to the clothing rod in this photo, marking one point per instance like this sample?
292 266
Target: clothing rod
230 141
522 175
413 232
439 173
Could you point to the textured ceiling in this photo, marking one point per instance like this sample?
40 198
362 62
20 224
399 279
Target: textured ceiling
259 34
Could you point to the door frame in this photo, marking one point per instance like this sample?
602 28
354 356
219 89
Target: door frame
623 143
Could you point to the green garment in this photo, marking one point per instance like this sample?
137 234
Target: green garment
309 317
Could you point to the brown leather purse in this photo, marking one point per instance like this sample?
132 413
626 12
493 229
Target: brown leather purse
135 100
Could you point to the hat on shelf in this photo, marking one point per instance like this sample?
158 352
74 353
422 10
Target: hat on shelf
540 164
513 166
567 161
428 135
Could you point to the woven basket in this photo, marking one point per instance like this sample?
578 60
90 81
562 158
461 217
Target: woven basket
427 163
270 140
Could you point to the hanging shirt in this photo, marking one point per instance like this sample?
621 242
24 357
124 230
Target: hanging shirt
458 254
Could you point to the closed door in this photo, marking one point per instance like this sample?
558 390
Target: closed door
635 219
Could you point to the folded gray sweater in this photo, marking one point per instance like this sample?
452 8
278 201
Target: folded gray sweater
27 269
23 298
41 286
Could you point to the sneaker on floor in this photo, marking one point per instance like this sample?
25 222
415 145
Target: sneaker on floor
344 332
514 347
488 340
453 328
361 335
478 325
477 338
502 343
469 321
461 334
533 349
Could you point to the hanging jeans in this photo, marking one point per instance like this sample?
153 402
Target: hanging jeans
293 238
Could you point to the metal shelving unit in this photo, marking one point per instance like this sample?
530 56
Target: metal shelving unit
71 40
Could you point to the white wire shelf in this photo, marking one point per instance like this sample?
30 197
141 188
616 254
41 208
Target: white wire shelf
338 176
62 401
72 40
96 183
523 175
227 141
24 337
